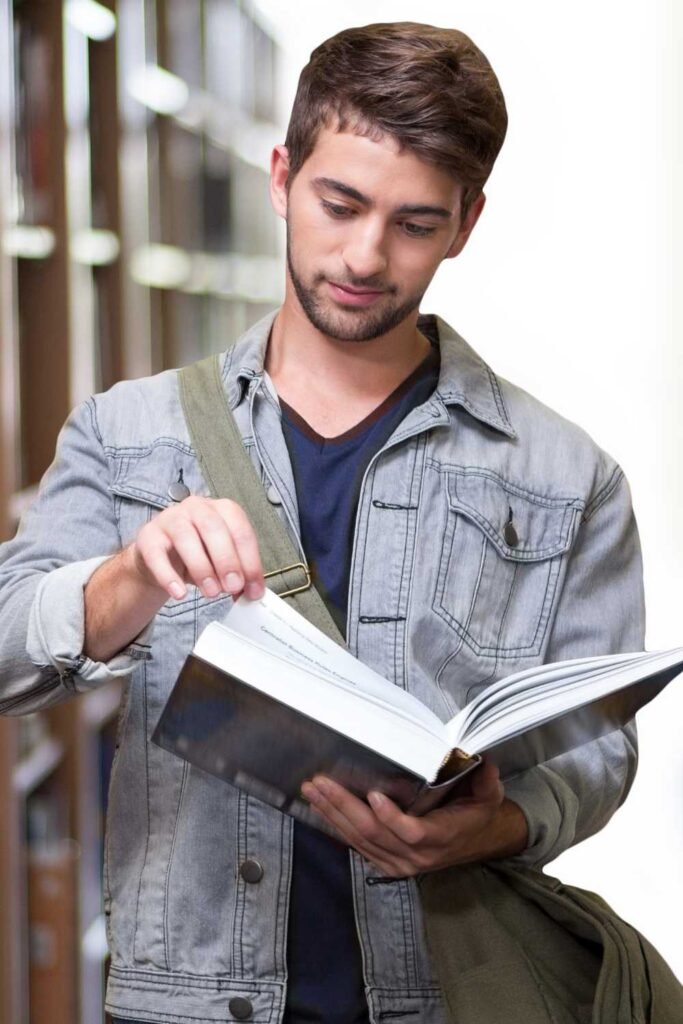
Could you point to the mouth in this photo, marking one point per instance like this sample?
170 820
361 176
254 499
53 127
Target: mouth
347 295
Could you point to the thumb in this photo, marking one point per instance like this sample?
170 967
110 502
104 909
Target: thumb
486 784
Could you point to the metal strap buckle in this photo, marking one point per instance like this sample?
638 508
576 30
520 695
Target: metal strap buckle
288 568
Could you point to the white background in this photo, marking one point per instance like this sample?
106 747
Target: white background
566 287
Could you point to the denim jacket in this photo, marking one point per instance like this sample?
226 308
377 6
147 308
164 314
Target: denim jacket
442 601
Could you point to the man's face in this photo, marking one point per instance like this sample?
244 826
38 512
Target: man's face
367 226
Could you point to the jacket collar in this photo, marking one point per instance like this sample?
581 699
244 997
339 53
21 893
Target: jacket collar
464 379
245 359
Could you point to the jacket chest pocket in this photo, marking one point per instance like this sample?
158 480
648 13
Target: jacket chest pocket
501 561
141 492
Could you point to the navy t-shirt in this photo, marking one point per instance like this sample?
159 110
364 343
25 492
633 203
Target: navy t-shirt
323 952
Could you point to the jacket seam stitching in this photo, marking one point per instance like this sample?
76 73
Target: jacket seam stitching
140 451
281 960
92 411
498 397
559 502
167 880
243 806
147 836
603 495
183 1018
403 584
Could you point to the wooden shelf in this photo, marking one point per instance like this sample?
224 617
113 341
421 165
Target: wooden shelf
90 176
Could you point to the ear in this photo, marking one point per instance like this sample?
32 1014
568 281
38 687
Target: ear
466 226
279 173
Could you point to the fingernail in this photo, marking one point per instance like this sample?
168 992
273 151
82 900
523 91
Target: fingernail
210 587
176 590
308 791
254 591
375 800
233 583
323 786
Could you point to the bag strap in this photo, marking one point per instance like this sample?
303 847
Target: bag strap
229 473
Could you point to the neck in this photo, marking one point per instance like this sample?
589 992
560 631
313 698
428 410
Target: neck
303 360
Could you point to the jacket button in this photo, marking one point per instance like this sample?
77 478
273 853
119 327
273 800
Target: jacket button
240 1008
510 535
274 495
251 871
178 491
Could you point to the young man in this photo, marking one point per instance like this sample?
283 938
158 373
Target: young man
458 530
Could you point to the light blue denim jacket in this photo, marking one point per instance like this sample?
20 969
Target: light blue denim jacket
439 603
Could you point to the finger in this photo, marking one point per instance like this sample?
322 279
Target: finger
390 864
320 794
336 799
246 544
486 784
352 816
188 546
406 827
433 840
220 547
153 561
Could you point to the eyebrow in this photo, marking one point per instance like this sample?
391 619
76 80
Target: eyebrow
407 209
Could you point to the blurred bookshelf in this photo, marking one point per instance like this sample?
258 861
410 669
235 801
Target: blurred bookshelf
135 235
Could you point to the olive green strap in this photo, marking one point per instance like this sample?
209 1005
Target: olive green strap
229 473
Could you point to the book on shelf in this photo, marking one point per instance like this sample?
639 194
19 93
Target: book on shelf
266 701
53 932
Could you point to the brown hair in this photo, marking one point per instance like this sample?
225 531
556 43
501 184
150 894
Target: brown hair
429 88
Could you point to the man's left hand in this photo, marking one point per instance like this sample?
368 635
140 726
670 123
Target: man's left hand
482 826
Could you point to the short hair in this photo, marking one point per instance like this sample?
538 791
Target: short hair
431 89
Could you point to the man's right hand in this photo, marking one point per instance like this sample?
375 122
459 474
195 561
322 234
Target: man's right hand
205 541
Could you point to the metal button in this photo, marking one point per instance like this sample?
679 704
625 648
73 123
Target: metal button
251 871
178 491
510 535
274 495
240 1008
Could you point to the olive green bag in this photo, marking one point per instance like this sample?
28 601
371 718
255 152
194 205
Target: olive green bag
510 945
516 946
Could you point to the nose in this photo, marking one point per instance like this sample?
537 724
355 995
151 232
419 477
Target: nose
365 253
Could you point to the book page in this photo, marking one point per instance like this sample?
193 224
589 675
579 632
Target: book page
277 627
331 701
532 684
539 695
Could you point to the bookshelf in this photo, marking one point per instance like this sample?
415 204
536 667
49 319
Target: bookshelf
133 237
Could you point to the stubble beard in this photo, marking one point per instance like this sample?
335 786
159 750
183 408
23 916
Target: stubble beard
356 324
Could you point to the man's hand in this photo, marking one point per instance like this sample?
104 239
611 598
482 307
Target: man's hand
483 826
206 541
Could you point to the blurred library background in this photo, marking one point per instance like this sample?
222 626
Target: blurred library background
137 235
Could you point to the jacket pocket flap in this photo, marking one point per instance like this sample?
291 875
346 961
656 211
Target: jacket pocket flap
523 526
146 476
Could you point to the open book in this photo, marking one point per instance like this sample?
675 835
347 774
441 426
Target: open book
266 701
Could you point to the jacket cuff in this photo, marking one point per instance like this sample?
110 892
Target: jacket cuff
56 630
550 808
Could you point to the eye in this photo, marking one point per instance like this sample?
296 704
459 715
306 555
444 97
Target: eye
336 209
416 230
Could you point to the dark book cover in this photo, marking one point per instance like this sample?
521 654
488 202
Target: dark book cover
252 740
266 748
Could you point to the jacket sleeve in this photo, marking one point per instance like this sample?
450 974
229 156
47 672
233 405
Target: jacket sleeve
63 538
600 611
